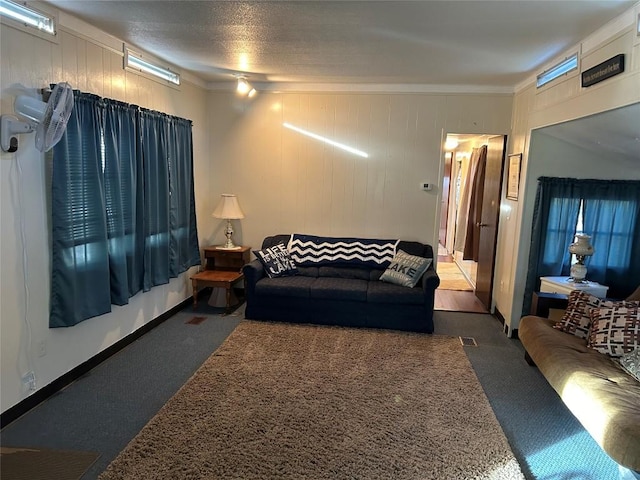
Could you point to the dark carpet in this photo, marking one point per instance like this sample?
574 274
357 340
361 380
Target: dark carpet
43 464
105 409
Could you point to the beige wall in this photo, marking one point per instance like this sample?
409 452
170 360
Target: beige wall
561 101
289 183
25 205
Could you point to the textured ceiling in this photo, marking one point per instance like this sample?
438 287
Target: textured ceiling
482 43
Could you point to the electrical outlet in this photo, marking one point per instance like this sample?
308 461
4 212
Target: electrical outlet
42 348
29 381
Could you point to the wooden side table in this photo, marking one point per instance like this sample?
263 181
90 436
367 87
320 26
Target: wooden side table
222 269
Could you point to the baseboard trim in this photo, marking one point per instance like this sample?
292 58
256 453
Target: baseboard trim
59 383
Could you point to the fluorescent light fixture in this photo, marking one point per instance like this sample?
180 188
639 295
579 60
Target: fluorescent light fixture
346 148
137 63
27 16
559 69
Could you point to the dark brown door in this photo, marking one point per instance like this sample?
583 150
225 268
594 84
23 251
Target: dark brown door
444 205
490 216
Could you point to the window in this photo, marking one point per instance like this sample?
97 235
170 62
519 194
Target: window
608 210
567 65
117 227
135 62
28 19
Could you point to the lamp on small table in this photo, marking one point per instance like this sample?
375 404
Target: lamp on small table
581 248
229 209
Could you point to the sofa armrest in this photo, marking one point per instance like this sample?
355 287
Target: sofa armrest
253 271
430 280
542 302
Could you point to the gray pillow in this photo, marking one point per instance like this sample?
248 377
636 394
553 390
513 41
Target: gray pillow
405 269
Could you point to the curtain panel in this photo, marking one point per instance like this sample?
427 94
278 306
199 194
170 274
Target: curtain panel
123 207
610 214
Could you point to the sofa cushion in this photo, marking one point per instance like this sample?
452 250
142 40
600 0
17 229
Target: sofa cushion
307 271
615 330
339 289
576 319
635 296
405 269
380 292
344 272
602 397
297 286
276 261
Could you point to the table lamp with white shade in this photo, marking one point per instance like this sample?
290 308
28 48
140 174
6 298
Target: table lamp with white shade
229 209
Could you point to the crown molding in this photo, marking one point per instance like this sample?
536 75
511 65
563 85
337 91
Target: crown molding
264 87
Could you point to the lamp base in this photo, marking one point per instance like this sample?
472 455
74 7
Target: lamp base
228 232
578 273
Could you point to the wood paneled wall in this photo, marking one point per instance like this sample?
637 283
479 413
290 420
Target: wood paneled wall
25 208
287 182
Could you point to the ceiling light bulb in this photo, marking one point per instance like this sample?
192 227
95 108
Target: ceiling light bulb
243 85
450 144
252 93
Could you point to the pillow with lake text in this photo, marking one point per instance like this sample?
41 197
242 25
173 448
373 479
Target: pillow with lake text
276 261
405 269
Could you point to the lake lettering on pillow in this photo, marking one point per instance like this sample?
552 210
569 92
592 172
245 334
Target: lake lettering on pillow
405 269
276 261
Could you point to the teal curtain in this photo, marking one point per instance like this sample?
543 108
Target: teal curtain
612 218
611 215
123 198
155 156
80 278
123 216
555 215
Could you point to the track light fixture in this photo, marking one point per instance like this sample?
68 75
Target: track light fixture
244 87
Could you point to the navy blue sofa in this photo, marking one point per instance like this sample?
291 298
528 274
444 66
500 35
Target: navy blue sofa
342 295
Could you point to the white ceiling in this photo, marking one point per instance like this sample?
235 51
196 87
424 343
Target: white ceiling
615 131
481 43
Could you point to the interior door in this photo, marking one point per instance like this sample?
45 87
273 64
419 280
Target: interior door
444 205
489 218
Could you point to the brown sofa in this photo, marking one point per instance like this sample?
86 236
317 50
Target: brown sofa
599 393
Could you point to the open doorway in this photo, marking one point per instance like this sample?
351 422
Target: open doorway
469 221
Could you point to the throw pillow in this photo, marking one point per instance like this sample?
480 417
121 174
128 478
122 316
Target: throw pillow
276 261
631 363
576 319
615 330
405 269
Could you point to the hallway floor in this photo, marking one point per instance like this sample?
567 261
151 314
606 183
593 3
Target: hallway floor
455 293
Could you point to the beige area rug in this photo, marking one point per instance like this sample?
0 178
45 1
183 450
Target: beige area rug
287 401
20 463
451 278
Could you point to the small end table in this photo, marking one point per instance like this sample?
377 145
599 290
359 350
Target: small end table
222 269
563 285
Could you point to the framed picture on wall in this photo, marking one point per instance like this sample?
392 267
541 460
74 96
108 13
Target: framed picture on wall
513 176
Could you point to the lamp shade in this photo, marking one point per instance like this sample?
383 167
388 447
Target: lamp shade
228 207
